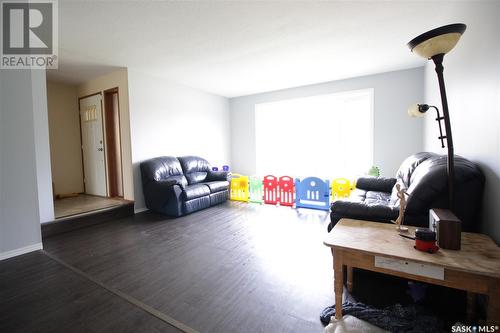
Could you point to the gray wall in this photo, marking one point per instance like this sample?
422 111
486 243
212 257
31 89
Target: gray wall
42 145
24 160
472 75
3 120
168 118
395 134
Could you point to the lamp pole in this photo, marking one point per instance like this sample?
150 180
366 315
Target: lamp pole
438 61
434 44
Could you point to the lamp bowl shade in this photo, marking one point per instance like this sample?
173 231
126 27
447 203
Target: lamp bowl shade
437 41
414 111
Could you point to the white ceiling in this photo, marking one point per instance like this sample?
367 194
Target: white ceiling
242 47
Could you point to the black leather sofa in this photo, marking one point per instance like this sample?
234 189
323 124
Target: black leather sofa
177 186
424 177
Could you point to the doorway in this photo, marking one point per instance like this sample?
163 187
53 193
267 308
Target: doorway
101 158
86 120
101 144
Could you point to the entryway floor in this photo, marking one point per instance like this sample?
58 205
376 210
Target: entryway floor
84 203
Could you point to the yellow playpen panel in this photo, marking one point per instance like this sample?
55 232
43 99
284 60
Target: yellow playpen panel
341 188
239 188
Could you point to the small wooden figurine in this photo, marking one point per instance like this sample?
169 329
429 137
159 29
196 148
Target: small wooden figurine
402 206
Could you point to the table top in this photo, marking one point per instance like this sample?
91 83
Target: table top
478 254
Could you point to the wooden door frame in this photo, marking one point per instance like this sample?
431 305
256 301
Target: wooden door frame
118 137
81 140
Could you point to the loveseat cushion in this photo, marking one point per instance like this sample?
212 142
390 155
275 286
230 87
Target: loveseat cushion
367 210
217 186
219 197
369 197
375 198
217 175
195 168
195 191
190 206
429 189
379 184
405 173
409 165
161 169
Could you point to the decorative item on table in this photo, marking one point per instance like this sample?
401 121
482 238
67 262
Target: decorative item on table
425 240
402 206
447 227
433 45
374 171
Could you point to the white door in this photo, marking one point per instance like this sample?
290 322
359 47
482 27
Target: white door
93 145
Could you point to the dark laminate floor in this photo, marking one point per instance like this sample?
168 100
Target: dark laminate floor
38 294
232 268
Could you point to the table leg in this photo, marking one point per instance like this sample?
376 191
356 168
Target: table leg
471 306
338 282
349 279
493 313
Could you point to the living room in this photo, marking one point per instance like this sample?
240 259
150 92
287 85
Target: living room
215 83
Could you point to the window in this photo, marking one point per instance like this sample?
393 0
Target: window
327 136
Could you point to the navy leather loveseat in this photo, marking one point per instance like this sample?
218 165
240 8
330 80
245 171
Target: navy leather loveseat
177 186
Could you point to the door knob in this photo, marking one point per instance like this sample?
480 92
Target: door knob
100 149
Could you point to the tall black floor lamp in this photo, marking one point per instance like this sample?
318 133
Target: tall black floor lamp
434 44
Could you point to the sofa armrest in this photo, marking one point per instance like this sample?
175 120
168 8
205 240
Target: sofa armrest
218 175
361 211
378 184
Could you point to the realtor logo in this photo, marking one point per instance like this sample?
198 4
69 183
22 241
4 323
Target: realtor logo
29 34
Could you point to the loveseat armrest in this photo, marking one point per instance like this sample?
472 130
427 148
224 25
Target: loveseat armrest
164 196
361 211
164 184
218 175
378 184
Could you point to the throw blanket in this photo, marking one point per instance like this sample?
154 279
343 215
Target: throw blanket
395 318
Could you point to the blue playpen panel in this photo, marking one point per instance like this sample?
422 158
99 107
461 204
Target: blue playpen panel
312 192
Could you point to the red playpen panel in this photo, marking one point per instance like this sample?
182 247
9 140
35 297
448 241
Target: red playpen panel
286 191
271 190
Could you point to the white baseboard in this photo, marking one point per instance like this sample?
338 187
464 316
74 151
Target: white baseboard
140 210
22 250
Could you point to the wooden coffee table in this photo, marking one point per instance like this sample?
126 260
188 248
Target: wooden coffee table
378 247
